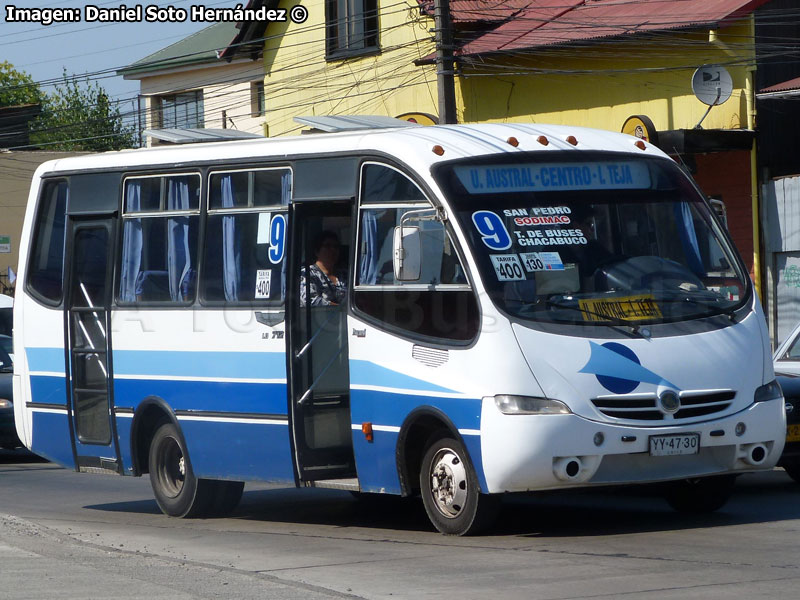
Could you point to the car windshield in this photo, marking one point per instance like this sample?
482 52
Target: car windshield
604 239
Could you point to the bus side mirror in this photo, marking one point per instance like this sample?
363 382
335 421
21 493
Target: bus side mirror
407 253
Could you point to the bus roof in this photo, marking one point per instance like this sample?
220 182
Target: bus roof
412 144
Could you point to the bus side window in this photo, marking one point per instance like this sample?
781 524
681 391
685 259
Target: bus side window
440 263
246 236
159 240
46 268
438 305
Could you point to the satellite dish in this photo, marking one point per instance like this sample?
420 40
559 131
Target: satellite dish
712 84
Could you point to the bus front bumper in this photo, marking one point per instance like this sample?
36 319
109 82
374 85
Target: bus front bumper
538 452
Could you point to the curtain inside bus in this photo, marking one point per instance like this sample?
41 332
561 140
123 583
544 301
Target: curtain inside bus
132 244
179 261
231 244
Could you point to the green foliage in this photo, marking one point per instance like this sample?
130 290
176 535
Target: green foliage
78 115
17 87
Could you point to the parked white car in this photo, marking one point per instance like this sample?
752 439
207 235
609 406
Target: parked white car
787 371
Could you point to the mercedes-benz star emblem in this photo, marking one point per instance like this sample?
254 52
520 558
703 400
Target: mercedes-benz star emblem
669 401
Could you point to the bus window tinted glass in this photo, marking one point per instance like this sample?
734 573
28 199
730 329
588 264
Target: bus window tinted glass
159 253
385 185
249 189
440 264
439 305
244 250
271 187
46 269
594 240
244 260
89 279
145 196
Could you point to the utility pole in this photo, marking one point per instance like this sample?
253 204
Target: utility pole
445 66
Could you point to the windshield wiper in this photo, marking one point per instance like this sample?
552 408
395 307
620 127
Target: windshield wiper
634 327
728 311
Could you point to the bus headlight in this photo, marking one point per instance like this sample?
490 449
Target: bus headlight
5 403
769 391
528 405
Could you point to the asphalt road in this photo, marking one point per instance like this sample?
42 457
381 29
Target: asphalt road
67 535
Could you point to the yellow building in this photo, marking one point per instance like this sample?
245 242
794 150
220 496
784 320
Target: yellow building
334 65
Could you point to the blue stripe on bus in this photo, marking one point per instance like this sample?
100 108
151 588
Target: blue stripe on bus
376 461
391 408
236 365
124 435
51 438
263 398
218 450
45 359
47 389
363 372
239 451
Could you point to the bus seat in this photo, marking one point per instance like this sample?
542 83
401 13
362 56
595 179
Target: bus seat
152 286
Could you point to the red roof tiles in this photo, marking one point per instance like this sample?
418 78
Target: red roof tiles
535 23
785 86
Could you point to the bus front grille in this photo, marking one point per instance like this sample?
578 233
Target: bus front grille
647 407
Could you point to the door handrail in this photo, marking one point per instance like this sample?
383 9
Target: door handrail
303 350
321 373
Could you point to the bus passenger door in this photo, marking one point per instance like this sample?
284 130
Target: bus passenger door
319 379
92 428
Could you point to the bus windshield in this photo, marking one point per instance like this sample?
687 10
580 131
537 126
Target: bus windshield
604 239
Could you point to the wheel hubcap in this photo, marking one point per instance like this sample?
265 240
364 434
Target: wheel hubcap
448 483
172 472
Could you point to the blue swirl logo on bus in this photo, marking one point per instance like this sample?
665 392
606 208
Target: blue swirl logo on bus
618 369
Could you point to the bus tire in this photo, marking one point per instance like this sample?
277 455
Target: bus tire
451 492
793 470
702 495
227 495
177 491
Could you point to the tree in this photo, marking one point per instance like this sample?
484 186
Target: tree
17 87
78 115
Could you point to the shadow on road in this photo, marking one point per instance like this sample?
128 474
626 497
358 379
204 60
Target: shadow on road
765 497
19 456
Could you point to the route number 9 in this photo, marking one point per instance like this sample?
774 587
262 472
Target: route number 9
277 239
492 229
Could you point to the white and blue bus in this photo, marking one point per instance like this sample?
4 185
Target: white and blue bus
524 308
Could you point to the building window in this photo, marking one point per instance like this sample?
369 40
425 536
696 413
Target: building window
180 111
351 27
258 105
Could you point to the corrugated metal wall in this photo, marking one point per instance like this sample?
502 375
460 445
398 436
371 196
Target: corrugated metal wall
780 209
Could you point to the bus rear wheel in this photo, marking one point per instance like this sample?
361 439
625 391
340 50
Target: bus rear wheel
177 491
451 492
702 495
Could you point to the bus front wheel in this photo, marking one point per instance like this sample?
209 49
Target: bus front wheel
793 470
451 492
177 491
